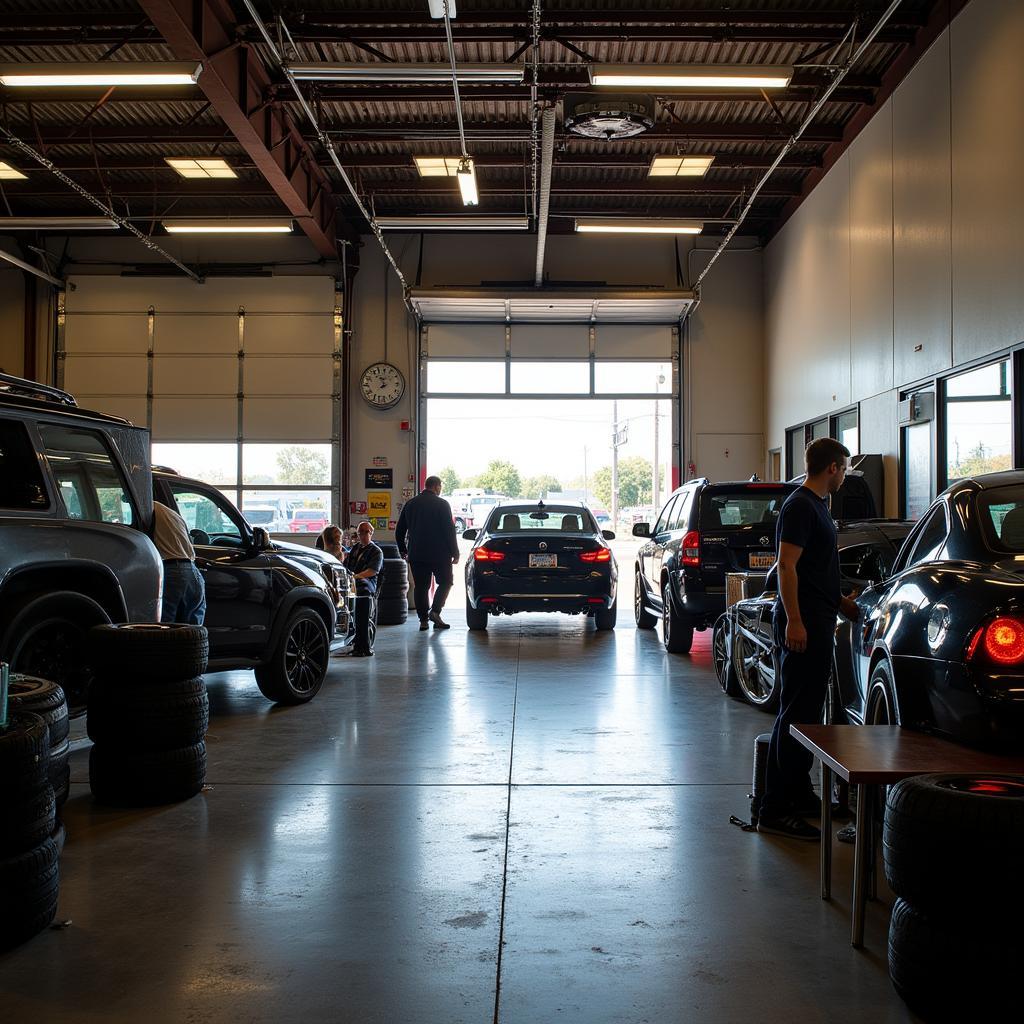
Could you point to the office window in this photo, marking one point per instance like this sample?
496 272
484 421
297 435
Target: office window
978 422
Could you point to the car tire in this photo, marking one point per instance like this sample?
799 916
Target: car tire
936 965
29 887
296 669
645 619
604 618
47 639
392 611
476 618
880 708
152 650
390 550
722 658
136 778
28 818
44 698
676 629
978 821
752 690
24 754
59 770
149 715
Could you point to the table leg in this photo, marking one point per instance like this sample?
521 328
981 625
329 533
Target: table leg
865 827
826 831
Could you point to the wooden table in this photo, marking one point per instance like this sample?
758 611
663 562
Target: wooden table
868 756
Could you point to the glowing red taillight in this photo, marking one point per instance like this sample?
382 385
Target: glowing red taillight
691 548
488 555
600 555
1003 640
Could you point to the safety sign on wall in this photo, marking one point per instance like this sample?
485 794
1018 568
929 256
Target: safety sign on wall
377 478
378 505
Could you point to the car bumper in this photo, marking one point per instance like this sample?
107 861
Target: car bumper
980 707
507 596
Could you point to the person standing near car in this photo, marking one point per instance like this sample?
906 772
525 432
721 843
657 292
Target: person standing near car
365 561
184 597
804 623
427 540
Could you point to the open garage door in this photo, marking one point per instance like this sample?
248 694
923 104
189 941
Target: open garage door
235 378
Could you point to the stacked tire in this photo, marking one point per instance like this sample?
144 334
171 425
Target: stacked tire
953 846
29 869
148 713
393 592
45 698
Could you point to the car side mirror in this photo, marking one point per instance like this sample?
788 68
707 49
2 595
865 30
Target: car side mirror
608 534
641 529
261 539
470 534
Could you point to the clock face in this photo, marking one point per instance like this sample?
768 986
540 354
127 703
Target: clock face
382 385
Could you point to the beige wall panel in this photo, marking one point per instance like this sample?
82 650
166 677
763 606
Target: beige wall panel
987 43
539 341
633 342
468 341
130 407
284 419
729 456
175 332
106 375
195 375
195 418
292 332
107 332
871 298
879 435
921 211
112 294
288 375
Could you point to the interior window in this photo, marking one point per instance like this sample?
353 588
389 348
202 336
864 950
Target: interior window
864 562
87 474
665 518
681 513
21 480
205 516
932 537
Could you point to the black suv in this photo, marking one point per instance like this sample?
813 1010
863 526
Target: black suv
704 531
278 608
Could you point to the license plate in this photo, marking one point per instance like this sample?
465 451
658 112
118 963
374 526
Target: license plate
543 561
763 561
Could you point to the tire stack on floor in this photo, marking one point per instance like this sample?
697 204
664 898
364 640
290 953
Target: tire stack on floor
392 588
953 846
29 869
46 699
148 713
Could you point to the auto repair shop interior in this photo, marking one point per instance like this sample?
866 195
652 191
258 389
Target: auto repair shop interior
605 270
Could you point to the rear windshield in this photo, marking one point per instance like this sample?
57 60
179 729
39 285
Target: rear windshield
1002 516
520 520
741 508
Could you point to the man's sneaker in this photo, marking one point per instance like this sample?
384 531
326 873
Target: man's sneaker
435 618
788 825
424 625
808 806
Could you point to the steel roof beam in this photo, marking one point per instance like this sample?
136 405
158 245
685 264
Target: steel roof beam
235 85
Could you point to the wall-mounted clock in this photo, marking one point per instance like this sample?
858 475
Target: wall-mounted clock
382 385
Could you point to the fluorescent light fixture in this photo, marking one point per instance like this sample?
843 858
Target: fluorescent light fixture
229 226
201 167
680 166
326 71
101 74
437 8
9 173
57 224
437 166
608 225
453 222
466 176
691 76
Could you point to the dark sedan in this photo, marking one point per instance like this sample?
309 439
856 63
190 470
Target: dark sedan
941 642
541 558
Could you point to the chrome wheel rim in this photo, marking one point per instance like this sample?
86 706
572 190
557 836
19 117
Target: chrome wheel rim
755 669
305 657
666 617
720 653
879 711
638 600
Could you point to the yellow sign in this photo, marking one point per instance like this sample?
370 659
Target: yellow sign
378 504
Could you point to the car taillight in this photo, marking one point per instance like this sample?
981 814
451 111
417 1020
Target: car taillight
488 555
600 555
691 548
1002 640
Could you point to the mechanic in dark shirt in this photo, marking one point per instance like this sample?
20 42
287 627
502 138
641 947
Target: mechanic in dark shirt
365 561
426 537
804 623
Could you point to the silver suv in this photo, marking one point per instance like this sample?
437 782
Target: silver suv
75 504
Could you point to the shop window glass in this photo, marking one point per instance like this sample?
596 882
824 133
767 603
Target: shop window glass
478 377
212 463
846 431
550 378
632 378
288 511
917 469
978 422
295 465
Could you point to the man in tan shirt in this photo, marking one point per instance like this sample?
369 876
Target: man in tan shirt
184 590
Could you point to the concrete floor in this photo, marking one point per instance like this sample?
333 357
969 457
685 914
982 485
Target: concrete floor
528 825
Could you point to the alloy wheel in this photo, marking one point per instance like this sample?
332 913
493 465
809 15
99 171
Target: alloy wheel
720 652
666 615
754 669
305 657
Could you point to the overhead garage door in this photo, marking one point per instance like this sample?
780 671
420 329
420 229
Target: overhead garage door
236 378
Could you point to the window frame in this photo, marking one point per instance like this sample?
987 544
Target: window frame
831 421
933 514
245 533
33 443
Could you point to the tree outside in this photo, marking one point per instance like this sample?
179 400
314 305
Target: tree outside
449 480
539 486
978 460
500 477
635 478
297 465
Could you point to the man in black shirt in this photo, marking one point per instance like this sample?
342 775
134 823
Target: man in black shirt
426 523
804 623
365 561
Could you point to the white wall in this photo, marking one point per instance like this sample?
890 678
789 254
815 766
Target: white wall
907 259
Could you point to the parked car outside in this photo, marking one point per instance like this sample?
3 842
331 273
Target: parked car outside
75 511
541 558
308 520
278 608
266 516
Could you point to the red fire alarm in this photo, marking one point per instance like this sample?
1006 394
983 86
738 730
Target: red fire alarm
405 425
